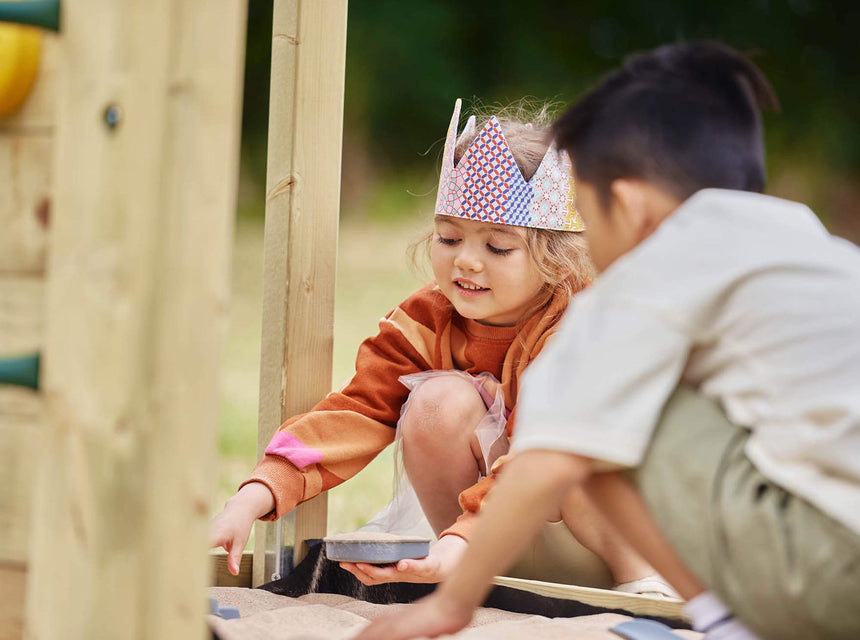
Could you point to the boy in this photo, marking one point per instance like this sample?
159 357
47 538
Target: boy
706 389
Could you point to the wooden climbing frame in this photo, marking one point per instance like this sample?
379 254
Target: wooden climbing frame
302 205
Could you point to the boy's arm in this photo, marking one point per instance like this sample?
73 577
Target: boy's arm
528 494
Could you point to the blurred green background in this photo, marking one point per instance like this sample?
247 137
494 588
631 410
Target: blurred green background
407 60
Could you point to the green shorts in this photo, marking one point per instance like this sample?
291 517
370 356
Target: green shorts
782 566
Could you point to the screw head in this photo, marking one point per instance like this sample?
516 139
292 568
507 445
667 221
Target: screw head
113 116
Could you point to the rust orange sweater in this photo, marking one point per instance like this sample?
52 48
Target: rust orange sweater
318 450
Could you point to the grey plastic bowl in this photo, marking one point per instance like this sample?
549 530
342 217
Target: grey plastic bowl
376 551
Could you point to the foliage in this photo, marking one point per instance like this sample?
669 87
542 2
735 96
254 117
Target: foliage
407 60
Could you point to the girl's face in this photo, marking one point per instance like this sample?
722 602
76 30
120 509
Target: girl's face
484 269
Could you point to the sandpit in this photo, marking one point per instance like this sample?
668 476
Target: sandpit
325 616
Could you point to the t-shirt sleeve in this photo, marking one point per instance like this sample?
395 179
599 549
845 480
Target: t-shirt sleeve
598 389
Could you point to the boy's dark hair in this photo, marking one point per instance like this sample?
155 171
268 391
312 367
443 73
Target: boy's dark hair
684 117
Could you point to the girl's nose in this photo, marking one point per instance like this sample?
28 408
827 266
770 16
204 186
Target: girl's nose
467 260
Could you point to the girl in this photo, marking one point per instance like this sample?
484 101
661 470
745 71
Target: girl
507 254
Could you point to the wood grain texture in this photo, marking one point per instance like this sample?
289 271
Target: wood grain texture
21 314
25 164
135 317
26 159
302 205
639 605
13 581
21 428
221 576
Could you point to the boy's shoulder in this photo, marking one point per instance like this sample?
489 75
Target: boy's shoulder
744 207
718 240
756 229
730 227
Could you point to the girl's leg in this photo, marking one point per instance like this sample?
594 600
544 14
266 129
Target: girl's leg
621 508
442 457
597 533
439 446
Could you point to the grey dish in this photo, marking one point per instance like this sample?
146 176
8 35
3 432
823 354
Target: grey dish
376 551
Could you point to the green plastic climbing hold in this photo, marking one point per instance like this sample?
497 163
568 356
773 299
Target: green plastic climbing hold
39 13
22 371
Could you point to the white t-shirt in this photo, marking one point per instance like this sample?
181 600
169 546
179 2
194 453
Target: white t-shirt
744 297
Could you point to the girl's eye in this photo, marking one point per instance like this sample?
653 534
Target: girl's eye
497 251
450 242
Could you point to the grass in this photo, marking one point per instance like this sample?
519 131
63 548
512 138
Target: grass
373 276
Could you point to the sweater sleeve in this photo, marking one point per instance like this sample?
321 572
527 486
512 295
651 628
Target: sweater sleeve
472 500
318 450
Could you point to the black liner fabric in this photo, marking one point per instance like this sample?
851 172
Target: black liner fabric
333 579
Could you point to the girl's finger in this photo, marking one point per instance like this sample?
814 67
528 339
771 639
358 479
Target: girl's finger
417 568
358 573
234 558
380 574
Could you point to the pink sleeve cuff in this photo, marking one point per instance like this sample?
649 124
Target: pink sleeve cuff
283 479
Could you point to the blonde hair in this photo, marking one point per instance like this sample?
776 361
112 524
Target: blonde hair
561 257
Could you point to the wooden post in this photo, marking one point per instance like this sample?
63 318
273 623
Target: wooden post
302 203
145 165
26 149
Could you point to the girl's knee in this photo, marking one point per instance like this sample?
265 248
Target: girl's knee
442 407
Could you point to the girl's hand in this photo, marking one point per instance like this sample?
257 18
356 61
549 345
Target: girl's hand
438 565
432 616
231 528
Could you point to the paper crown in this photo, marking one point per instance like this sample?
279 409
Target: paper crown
487 185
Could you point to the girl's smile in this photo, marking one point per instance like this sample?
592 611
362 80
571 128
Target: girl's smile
484 269
468 287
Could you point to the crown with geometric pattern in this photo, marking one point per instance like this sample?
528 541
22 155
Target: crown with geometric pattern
487 185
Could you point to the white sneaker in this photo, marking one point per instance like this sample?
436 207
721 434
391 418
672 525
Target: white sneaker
652 586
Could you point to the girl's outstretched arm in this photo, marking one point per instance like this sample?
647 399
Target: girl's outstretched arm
529 492
231 528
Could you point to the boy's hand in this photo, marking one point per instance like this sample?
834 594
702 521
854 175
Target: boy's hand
438 565
231 528
432 616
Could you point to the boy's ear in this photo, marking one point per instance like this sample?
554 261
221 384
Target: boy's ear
631 204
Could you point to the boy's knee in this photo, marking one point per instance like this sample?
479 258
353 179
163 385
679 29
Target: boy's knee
442 407
604 486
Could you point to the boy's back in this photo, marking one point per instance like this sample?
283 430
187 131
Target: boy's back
742 296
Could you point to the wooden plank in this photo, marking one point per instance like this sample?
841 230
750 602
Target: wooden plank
26 159
20 431
135 317
18 402
13 581
302 205
25 164
221 576
636 604
21 314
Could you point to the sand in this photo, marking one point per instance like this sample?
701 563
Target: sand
324 616
375 547
372 536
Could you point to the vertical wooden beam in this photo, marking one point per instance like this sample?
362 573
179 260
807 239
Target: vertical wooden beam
13 581
302 205
135 316
26 150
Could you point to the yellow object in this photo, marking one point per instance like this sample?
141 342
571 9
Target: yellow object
19 64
